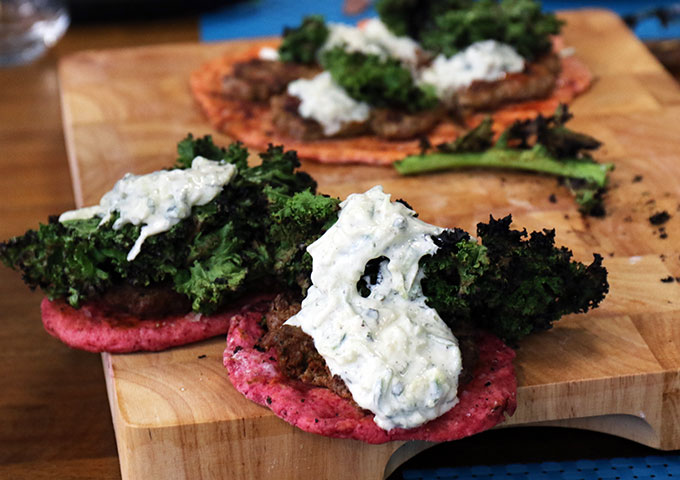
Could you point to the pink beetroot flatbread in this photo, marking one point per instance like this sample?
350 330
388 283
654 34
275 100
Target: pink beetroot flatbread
484 402
89 328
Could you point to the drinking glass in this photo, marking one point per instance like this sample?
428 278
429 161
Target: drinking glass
29 27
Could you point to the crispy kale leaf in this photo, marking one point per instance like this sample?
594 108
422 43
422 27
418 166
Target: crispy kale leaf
191 147
296 222
378 82
451 25
300 44
540 145
510 284
224 248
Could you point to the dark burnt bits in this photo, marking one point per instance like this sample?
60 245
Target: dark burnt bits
668 279
659 218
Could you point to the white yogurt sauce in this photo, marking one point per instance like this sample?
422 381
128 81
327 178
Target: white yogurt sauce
323 100
397 357
488 60
373 37
158 200
268 53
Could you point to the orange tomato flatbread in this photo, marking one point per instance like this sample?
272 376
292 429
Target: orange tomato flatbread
251 122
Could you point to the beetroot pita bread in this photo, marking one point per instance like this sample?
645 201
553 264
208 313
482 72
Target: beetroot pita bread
484 401
251 122
89 328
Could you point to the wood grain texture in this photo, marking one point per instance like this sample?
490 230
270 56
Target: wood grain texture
614 370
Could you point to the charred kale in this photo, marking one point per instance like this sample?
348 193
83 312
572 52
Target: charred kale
230 245
451 25
510 285
300 44
540 145
382 83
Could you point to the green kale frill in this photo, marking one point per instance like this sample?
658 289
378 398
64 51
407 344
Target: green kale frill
450 26
509 284
301 44
380 82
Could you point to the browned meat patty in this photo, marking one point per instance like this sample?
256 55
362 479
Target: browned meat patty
258 80
537 81
385 123
400 125
298 358
144 302
288 121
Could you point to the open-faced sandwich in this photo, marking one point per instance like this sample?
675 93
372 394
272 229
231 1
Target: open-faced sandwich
352 319
339 93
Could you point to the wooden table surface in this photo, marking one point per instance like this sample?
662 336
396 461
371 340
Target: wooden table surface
54 414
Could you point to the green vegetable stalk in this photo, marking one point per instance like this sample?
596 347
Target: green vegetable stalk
556 151
535 160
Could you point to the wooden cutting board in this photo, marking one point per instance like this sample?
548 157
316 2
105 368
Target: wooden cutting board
616 369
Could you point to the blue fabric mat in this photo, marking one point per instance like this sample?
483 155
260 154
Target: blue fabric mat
258 18
642 468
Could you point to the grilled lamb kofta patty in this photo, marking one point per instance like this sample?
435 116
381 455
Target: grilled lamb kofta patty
144 302
537 80
288 121
258 80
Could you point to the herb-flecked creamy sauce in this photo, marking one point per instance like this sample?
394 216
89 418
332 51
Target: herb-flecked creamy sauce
488 61
395 354
158 200
326 102
372 38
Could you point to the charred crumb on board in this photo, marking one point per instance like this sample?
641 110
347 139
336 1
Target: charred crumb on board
202 356
659 218
668 279
637 178
552 198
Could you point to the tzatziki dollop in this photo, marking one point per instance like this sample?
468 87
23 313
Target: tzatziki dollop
487 60
268 53
158 200
372 38
395 354
323 100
